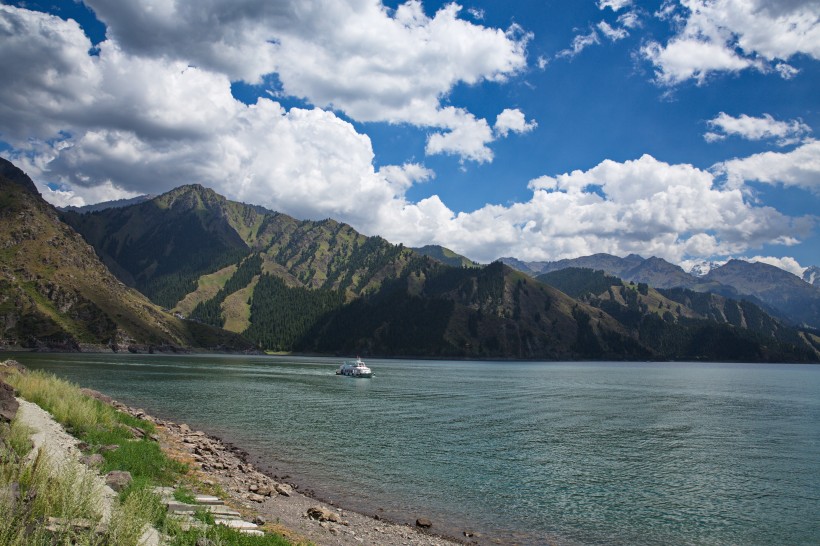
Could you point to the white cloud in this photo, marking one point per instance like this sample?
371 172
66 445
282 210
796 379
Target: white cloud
732 35
752 128
467 137
614 5
108 134
682 59
513 120
580 43
611 32
786 263
643 205
799 167
358 57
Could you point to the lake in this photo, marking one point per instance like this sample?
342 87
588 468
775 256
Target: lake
573 453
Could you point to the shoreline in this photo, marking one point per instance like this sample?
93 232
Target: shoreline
259 494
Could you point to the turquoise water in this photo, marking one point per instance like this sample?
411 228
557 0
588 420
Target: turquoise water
600 453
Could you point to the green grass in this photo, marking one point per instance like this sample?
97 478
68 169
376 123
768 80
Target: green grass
65 491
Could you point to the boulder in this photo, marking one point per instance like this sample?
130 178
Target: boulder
424 523
118 479
322 514
284 489
92 460
97 395
8 403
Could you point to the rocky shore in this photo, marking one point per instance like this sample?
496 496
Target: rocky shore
276 505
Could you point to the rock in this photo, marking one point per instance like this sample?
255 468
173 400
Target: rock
118 479
256 498
110 447
284 489
97 395
259 520
265 490
253 488
185 429
424 523
321 514
137 432
92 460
8 403
9 365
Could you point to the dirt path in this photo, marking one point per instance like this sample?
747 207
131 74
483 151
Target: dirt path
61 448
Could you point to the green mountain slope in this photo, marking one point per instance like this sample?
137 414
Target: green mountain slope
446 256
55 292
309 286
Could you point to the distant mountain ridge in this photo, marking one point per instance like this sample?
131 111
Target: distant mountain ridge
118 203
322 287
783 293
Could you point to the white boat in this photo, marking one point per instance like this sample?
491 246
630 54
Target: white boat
355 368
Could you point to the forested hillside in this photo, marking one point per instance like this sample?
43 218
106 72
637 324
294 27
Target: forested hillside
291 285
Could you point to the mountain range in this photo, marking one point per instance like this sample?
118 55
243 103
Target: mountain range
225 274
783 294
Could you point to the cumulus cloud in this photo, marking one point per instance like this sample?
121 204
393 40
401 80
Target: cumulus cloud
733 35
643 205
752 128
141 123
786 263
513 120
799 167
358 57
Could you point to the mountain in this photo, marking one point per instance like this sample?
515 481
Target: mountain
55 293
702 268
307 286
780 289
446 256
119 203
684 324
777 291
812 275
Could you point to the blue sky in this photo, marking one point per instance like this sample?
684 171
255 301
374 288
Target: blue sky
542 130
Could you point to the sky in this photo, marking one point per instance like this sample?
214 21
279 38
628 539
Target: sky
541 130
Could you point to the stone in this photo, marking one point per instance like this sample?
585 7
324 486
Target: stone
253 488
185 429
322 514
118 479
97 395
424 523
208 499
137 432
8 403
109 447
256 498
284 489
259 520
265 490
92 460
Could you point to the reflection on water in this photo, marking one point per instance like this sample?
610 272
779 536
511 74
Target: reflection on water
582 452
